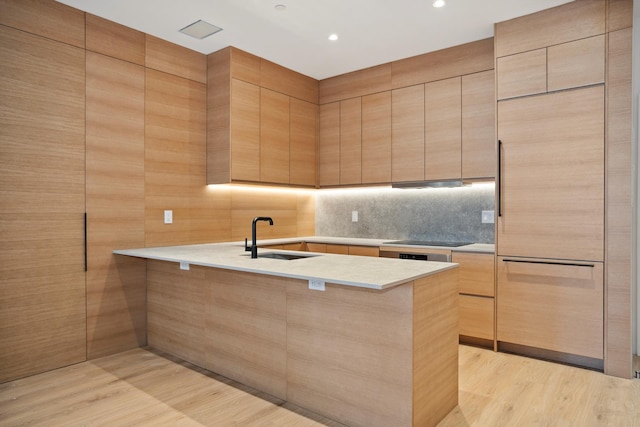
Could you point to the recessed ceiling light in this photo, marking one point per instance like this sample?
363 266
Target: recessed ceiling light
280 7
200 29
439 3
333 37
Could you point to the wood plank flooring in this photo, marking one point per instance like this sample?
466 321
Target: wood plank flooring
143 387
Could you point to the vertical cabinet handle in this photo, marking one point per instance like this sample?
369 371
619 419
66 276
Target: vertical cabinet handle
85 243
499 178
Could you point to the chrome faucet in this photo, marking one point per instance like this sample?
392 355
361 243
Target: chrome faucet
254 245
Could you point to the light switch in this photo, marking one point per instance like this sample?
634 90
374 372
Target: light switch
168 217
487 217
354 216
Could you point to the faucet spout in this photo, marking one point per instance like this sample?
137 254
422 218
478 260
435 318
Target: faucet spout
254 245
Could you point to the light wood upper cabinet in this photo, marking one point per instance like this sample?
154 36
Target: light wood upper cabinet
552 186
376 138
245 131
303 142
574 64
329 168
478 125
274 137
407 134
351 141
257 125
442 130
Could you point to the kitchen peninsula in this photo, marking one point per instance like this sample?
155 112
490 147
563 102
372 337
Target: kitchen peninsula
377 346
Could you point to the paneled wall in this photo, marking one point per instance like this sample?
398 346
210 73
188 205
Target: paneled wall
130 109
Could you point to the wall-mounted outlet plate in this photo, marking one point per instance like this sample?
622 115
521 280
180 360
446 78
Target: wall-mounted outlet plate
184 266
316 284
487 217
354 216
168 217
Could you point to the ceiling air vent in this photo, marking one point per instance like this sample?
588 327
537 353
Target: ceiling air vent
200 29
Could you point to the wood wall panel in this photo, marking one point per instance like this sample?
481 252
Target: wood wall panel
550 27
175 147
111 39
374 374
46 18
170 58
358 83
619 14
280 79
376 138
619 202
281 205
42 288
115 204
435 367
245 328
244 66
176 309
443 64
306 214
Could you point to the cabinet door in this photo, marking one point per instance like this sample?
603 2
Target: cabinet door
476 317
303 142
42 188
245 131
442 130
551 191
477 275
337 249
407 134
551 306
274 137
329 149
522 74
376 138
478 125
364 251
578 63
351 141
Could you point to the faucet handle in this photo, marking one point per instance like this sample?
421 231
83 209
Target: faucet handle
246 247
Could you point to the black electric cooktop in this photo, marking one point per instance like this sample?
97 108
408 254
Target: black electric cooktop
428 243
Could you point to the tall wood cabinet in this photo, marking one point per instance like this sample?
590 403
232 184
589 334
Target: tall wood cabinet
555 293
42 185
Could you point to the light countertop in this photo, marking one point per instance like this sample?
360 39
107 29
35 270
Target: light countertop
358 271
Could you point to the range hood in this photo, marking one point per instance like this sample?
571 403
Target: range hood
447 183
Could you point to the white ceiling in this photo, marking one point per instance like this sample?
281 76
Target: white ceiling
371 32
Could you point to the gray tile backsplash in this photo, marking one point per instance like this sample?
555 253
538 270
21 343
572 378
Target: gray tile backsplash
445 214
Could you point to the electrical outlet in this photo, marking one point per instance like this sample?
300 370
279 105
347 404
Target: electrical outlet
354 216
487 217
184 266
168 217
316 284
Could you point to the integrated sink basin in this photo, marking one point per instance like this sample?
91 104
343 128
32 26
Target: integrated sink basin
286 257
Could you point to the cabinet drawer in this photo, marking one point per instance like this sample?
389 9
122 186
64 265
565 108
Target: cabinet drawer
338 249
476 317
476 273
364 251
316 247
551 305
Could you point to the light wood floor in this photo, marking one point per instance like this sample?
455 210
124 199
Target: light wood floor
143 387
